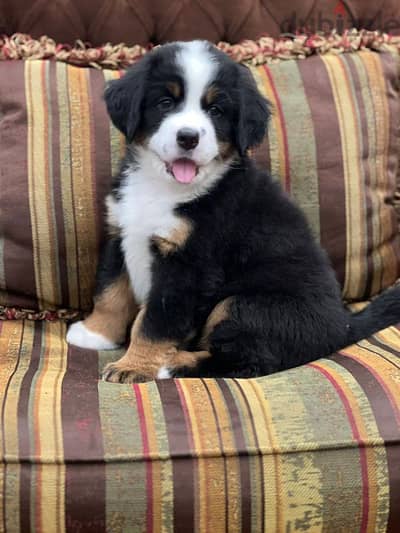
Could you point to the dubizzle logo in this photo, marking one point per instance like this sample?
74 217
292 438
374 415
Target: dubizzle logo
340 20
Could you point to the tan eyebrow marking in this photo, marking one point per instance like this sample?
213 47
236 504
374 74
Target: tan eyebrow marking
211 94
174 88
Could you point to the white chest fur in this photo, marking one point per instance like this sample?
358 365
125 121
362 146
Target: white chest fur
146 209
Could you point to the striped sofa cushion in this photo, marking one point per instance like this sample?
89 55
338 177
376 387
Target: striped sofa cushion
333 141
315 448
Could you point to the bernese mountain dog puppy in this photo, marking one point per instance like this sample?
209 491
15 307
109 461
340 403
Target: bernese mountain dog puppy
210 260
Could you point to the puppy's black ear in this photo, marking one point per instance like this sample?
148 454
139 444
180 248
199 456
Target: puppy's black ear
124 98
253 112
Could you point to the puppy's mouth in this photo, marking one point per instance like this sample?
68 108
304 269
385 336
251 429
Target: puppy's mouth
184 170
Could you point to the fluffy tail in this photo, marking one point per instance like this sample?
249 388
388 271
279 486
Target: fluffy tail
382 312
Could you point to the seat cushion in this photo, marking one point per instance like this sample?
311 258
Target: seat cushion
281 452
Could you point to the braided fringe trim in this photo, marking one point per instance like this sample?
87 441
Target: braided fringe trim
16 313
264 50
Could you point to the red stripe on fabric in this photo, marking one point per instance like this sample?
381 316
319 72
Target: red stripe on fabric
146 454
284 133
357 436
378 378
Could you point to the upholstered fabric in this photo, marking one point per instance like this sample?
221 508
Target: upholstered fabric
158 21
58 152
316 448
332 140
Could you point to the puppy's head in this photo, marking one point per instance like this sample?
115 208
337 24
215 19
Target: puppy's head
188 109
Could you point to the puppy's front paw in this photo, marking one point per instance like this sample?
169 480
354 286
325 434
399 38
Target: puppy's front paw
79 335
119 373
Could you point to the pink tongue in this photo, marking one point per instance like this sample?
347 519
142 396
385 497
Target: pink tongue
184 170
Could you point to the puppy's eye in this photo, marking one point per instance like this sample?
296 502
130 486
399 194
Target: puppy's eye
214 111
166 104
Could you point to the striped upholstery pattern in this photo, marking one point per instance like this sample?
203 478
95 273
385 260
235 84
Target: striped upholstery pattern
313 449
58 153
333 140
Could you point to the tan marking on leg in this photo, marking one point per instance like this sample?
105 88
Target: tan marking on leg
113 310
175 240
145 357
189 359
220 313
174 88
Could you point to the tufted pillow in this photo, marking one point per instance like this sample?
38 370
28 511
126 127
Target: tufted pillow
332 141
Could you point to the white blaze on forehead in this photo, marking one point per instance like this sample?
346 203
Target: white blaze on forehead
198 67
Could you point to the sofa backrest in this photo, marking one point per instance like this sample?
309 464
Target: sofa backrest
158 21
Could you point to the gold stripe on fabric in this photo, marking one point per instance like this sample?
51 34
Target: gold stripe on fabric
13 364
232 465
377 83
40 200
355 277
156 466
21 349
66 183
10 341
274 494
249 420
265 476
82 181
362 68
48 438
210 471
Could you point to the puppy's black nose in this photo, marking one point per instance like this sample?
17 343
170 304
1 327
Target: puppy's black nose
187 138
